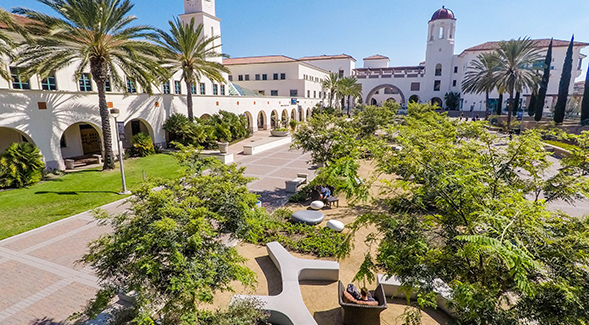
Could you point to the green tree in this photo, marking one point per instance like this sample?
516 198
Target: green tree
479 76
349 87
585 103
532 104
544 85
167 249
565 82
331 85
452 100
94 34
187 49
469 213
21 165
7 41
515 71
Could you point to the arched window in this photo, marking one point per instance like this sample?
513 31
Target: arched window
441 32
431 33
438 69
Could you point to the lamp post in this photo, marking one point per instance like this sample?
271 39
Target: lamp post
114 112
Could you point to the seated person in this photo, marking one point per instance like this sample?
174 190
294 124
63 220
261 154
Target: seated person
324 192
351 295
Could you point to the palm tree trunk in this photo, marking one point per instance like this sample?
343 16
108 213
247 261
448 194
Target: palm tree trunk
189 101
349 105
510 110
486 105
330 97
99 73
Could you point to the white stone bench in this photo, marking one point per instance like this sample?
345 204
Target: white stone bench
98 157
291 186
288 308
391 286
256 147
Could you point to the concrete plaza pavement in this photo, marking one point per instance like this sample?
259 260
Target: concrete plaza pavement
40 281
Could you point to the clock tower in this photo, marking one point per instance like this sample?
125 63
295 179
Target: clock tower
203 12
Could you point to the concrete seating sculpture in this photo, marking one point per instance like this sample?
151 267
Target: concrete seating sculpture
291 186
310 217
335 225
317 205
288 308
355 314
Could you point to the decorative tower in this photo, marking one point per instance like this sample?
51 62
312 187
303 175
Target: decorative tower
203 12
440 52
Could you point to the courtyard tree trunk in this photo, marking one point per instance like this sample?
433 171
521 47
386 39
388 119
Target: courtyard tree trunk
99 73
189 103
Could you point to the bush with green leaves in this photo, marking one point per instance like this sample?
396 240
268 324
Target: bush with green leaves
142 145
470 208
21 165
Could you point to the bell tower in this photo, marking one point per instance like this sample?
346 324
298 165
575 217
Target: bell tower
440 52
194 6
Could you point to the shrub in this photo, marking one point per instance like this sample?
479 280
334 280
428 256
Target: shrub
21 165
142 145
293 124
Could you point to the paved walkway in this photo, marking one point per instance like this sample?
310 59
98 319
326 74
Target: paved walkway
40 281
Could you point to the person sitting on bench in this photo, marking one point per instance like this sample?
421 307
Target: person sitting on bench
324 192
361 298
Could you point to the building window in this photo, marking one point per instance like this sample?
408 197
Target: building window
131 86
454 83
319 94
247 77
240 77
341 73
230 78
107 85
193 88
167 87
257 77
273 92
215 90
282 76
437 84
177 87
49 83
294 92
18 82
308 94
388 91
85 82
438 69
261 92
276 76
222 90
455 69
314 93
202 89
415 86
264 77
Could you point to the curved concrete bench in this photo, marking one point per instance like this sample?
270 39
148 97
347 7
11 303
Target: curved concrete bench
288 308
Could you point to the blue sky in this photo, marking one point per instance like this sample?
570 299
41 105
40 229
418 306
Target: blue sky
395 28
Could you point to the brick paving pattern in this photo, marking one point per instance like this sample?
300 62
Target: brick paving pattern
40 281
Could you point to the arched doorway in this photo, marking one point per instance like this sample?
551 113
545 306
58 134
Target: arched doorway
382 93
8 136
414 99
205 117
134 127
436 101
81 140
262 121
274 119
284 118
293 114
309 113
250 121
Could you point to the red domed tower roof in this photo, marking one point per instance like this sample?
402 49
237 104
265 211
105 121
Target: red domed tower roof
443 13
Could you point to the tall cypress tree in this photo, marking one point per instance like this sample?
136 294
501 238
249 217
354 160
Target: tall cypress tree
565 83
532 105
544 85
500 104
585 104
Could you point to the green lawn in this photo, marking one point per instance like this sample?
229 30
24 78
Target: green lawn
563 145
43 203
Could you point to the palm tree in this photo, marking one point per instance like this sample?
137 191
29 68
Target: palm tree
330 84
187 49
7 42
515 71
349 87
92 34
479 76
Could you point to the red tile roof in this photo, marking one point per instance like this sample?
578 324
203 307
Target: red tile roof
21 20
376 57
258 60
327 57
539 43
